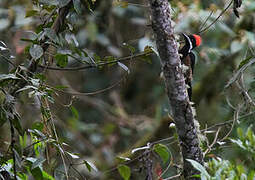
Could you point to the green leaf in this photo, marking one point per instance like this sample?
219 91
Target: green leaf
162 151
18 159
36 51
23 140
77 6
109 58
22 176
90 166
46 176
251 175
124 171
75 112
63 3
60 87
243 62
240 133
199 167
38 126
97 58
40 76
30 13
62 60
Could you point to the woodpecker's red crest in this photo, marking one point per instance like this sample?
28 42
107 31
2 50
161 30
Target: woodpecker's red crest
198 39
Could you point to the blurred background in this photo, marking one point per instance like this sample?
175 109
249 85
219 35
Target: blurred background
108 124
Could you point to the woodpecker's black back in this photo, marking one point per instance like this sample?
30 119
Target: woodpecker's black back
188 59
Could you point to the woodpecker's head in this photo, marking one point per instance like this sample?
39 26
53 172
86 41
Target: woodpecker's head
192 41
196 40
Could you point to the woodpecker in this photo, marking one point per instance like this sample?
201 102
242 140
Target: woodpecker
188 58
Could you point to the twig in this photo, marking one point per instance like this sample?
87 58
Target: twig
204 23
92 93
236 116
173 177
95 66
34 143
213 143
12 149
222 12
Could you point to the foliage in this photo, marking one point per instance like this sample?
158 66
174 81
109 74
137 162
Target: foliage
96 92
218 168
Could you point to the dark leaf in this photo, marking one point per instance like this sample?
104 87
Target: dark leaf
37 173
30 13
3 118
63 3
62 60
77 6
17 125
18 159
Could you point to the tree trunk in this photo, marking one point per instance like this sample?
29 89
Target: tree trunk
175 85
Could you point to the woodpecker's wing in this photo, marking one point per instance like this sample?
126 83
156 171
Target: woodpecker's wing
192 61
186 49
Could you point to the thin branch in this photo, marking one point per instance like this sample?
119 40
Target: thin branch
222 12
12 149
236 116
204 23
213 143
173 177
92 93
96 65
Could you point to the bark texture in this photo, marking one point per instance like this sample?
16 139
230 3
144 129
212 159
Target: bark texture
175 85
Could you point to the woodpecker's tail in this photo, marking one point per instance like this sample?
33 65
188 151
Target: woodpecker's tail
189 90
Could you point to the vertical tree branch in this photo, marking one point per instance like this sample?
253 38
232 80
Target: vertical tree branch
175 85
